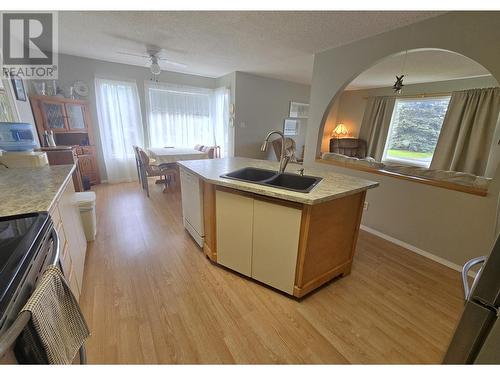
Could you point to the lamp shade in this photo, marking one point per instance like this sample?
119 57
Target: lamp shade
340 130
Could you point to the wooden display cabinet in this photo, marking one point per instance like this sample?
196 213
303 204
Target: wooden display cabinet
71 123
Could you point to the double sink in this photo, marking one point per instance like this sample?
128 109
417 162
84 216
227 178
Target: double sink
286 181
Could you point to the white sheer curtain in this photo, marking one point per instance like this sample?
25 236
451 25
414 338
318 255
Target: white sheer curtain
183 116
120 127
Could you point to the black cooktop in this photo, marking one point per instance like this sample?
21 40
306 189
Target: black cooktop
19 236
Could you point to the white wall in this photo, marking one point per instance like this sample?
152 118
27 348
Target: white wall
261 105
73 68
452 225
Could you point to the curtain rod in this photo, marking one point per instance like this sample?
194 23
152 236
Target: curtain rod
424 95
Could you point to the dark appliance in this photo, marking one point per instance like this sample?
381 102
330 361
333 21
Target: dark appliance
28 244
477 336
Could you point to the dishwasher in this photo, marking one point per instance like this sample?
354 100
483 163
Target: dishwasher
192 205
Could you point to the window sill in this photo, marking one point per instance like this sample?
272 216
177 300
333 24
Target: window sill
421 180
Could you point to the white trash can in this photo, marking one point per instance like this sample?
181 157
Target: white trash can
86 203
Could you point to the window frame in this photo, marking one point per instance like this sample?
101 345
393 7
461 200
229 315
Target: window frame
392 160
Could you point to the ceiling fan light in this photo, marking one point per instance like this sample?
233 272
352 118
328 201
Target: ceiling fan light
155 68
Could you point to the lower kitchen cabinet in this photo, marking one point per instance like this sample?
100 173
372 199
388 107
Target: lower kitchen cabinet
234 218
290 246
66 218
276 230
258 238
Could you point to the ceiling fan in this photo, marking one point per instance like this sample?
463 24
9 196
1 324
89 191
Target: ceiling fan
153 55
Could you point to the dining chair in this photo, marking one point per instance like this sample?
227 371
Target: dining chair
167 172
137 162
290 149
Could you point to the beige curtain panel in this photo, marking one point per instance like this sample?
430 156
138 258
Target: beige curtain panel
375 124
466 136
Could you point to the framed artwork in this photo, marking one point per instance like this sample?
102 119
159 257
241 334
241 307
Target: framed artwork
299 110
18 86
291 126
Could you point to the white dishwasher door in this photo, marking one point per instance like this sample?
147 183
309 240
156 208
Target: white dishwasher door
192 205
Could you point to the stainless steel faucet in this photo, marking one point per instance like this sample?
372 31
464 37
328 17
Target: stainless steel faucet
283 159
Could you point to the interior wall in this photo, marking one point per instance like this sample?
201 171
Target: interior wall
452 225
229 81
74 68
262 104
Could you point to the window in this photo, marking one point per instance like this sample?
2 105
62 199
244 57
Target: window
120 127
414 130
183 116
6 114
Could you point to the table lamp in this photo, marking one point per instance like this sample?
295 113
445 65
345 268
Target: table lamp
340 131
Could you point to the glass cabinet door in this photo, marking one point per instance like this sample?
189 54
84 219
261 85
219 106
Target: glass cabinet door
54 115
76 116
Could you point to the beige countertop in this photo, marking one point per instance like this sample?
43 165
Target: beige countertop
24 190
333 185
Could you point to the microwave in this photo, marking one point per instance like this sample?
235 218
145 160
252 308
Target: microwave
17 136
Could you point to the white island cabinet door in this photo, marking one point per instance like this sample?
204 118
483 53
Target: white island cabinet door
234 219
276 231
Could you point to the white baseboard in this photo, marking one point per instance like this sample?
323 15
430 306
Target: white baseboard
415 249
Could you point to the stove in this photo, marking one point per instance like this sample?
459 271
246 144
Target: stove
27 246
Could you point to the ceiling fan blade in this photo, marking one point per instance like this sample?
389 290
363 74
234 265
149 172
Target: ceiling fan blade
173 63
134 54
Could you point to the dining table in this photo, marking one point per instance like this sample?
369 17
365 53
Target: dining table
174 154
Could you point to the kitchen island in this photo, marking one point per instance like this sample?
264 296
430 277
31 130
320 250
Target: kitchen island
292 241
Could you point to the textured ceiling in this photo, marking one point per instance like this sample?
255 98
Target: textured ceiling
274 44
418 66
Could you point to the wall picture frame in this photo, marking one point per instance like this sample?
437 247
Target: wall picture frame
291 126
18 86
298 110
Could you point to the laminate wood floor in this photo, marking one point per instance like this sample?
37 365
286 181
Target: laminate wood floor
151 296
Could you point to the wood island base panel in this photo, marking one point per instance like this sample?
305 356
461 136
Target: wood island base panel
324 247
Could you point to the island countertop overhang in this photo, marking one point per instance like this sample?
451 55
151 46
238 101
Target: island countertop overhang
333 186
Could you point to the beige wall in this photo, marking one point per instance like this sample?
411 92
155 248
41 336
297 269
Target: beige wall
261 106
452 225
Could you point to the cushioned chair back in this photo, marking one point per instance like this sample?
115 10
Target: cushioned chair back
145 161
209 150
352 147
290 147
